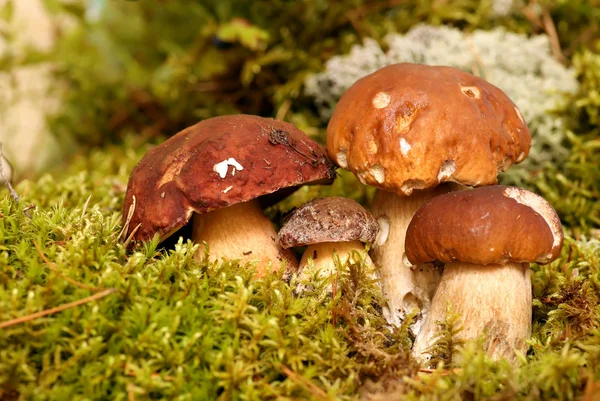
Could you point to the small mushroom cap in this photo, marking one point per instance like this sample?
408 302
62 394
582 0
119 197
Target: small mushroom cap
216 163
333 219
496 224
411 126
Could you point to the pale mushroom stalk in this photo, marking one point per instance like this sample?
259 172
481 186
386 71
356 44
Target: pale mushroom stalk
486 237
243 232
323 260
494 300
406 288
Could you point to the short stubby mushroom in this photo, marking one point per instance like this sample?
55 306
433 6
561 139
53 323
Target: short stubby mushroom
415 131
486 237
327 226
222 171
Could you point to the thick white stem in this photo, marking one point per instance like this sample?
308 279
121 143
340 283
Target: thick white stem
405 287
322 256
242 231
323 261
493 299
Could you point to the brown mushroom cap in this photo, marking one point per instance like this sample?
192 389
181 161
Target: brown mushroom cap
411 126
216 163
496 224
332 219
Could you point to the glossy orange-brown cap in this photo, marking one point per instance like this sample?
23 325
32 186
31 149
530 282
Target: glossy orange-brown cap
411 126
489 225
216 163
331 219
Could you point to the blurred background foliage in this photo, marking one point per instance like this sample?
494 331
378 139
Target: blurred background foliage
149 68
155 67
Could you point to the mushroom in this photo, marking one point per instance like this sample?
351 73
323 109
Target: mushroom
328 226
221 172
415 131
486 237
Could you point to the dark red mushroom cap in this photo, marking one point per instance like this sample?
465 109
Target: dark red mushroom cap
216 163
333 219
496 224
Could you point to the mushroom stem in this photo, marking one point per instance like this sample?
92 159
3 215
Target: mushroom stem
492 299
405 287
241 231
322 256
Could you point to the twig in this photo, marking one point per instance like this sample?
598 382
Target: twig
52 267
57 309
128 240
130 212
303 381
550 29
546 24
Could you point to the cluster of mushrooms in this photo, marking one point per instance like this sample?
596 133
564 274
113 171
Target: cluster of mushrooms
441 232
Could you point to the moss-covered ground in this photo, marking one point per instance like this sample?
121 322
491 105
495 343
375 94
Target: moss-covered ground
83 318
156 324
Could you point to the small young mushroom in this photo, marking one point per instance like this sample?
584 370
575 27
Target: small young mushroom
415 131
221 172
486 237
327 226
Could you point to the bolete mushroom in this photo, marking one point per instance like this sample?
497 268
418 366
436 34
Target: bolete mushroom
411 131
486 237
221 172
327 226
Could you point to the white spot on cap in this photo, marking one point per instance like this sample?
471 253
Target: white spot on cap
227 189
342 159
381 100
378 173
407 189
446 169
221 167
470 91
404 147
506 163
361 177
520 115
384 230
521 157
540 206
372 147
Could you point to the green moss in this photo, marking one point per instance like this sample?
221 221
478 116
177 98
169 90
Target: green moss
177 328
